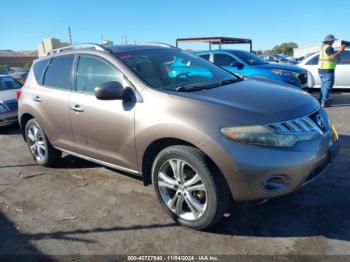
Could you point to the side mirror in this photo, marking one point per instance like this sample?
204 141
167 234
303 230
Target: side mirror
112 90
237 64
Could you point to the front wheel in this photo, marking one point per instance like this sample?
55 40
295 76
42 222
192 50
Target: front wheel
191 192
39 146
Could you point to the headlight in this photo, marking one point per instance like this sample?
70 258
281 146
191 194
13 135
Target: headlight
263 136
282 72
2 109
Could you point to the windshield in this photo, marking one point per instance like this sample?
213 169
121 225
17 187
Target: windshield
7 83
249 58
282 58
172 69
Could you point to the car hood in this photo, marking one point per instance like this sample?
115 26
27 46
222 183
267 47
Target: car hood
254 101
281 67
7 95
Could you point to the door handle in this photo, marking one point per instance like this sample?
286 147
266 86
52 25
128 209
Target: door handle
77 108
37 99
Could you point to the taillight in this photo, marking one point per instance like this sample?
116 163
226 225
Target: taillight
18 94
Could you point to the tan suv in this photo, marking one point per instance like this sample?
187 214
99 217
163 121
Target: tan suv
201 135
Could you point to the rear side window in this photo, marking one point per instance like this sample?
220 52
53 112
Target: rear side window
93 71
344 58
313 61
59 72
39 68
223 60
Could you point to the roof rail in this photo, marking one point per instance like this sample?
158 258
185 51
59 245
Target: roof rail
158 44
78 46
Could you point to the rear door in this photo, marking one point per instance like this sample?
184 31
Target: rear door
50 99
103 129
342 71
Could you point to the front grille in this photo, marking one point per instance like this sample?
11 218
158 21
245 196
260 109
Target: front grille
316 122
12 105
302 78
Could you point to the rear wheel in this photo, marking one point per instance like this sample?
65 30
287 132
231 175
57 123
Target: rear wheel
191 192
39 146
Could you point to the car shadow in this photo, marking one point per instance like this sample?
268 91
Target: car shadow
10 130
18 245
339 98
72 162
319 209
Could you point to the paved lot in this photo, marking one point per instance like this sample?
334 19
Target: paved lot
82 208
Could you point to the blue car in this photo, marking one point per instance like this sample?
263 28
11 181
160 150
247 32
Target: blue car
250 65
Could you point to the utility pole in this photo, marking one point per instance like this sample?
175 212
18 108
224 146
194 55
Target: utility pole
70 36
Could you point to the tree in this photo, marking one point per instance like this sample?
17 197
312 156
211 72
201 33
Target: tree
27 65
285 48
4 67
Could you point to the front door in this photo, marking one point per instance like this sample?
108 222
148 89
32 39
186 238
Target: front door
102 129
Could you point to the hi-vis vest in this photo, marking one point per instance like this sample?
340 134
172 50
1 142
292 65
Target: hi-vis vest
325 61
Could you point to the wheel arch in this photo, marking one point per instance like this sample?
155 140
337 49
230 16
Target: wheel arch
158 145
23 122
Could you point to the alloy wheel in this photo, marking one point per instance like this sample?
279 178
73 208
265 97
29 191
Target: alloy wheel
182 189
36 142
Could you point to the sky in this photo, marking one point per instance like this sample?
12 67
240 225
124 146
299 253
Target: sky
267 22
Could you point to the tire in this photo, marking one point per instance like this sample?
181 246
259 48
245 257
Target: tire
195 202
39 146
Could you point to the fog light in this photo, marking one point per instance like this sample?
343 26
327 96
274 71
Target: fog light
275 183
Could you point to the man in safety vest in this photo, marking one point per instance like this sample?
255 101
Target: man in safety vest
326 67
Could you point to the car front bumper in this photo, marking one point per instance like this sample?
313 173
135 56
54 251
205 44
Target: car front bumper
8 118
256 172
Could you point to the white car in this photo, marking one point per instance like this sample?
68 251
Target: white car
342 71
8 101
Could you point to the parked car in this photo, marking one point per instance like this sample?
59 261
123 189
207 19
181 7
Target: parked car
248 64
342 71
201 139
20 76
6 71
281 59
8 102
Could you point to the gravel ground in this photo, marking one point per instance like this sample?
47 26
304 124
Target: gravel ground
82 208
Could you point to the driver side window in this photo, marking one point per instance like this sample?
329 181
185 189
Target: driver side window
92 71
223 60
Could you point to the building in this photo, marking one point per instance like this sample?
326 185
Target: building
49 44
17 59
302 51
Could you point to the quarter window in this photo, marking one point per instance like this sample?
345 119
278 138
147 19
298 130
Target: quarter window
39 68
223 60
59 72
93 71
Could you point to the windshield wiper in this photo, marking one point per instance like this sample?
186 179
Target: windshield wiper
198 87
190 88
230 81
